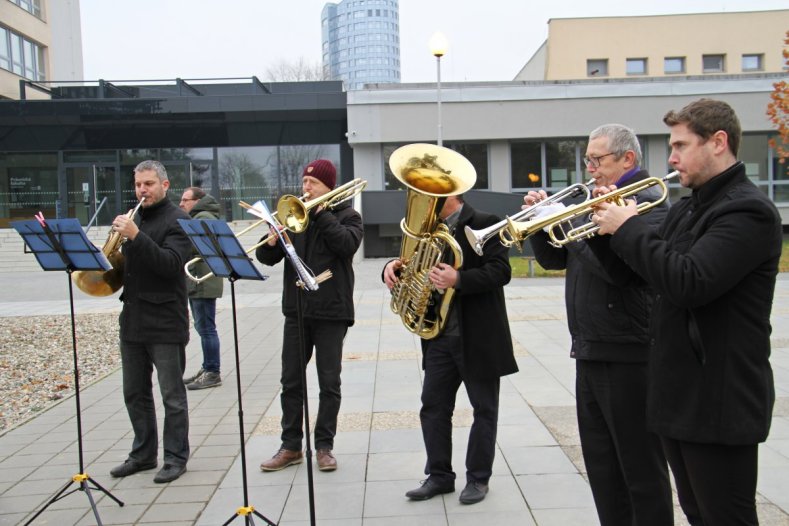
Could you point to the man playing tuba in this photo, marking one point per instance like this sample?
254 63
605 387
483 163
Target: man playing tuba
464 352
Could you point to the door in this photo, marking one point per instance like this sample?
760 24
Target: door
87 187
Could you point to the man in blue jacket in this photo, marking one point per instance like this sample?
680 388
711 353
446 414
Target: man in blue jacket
154 325
713 264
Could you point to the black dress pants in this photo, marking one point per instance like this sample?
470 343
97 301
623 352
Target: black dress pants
625 463
444 373
326 337
716 484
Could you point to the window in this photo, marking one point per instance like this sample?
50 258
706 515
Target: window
713 63
673 65
526 158
597 67
477 154
636 66
31 6
21 56
754 62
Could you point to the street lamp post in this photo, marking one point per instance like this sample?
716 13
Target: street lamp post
438 47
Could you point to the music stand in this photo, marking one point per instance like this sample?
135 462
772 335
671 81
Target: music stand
61 244
223 254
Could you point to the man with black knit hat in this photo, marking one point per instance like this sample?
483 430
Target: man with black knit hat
329 243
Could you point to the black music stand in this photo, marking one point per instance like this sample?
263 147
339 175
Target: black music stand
60 244
221 251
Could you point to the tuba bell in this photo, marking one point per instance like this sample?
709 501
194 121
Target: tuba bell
430 173
100 282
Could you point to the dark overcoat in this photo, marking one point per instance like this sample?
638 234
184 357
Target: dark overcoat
607 313
480 303
713 265
329 243
154 282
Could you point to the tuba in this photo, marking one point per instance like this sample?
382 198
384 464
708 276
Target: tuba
101 282
430 173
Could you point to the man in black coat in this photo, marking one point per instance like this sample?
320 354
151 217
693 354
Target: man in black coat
154 325
713 264
329 243
608 320
475 348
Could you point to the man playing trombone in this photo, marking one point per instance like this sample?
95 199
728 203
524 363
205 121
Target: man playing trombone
329 243
608 320
713 263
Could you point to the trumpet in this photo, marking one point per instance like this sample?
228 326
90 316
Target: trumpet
555 223
478 238
292 213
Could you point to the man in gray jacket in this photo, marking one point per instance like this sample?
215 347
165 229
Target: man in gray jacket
202 296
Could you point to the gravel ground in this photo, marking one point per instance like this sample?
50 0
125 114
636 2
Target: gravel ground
37 360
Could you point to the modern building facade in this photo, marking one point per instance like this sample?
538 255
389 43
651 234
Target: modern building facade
525 135
40 41
74 155
361 42
660 46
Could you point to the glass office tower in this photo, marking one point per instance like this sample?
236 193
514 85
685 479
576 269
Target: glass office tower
361 42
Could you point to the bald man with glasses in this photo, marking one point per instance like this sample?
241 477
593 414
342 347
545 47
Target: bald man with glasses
608 318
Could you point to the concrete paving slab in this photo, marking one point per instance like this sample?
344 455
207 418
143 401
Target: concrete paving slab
538 474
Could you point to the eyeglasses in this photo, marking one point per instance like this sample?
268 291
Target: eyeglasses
594 160
189 199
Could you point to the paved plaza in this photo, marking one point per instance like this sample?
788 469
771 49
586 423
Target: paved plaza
538 475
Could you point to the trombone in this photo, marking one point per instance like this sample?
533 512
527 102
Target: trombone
554 223
478 238
292 213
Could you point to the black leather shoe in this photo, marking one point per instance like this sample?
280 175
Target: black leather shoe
130 467
429 489
169 473
473 492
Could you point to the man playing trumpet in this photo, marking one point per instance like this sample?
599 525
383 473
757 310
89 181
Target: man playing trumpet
608 321
713 263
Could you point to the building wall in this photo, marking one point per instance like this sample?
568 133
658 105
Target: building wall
500 115
66 49
572 41
32 28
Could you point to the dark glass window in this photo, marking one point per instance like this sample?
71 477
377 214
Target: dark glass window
477 154
526 160
713 63
28 185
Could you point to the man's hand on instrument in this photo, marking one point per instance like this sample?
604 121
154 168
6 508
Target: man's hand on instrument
610 216
125 227
273 233
533 197
602 190
390 272
443 276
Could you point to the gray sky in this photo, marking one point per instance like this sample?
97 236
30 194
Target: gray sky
488 39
